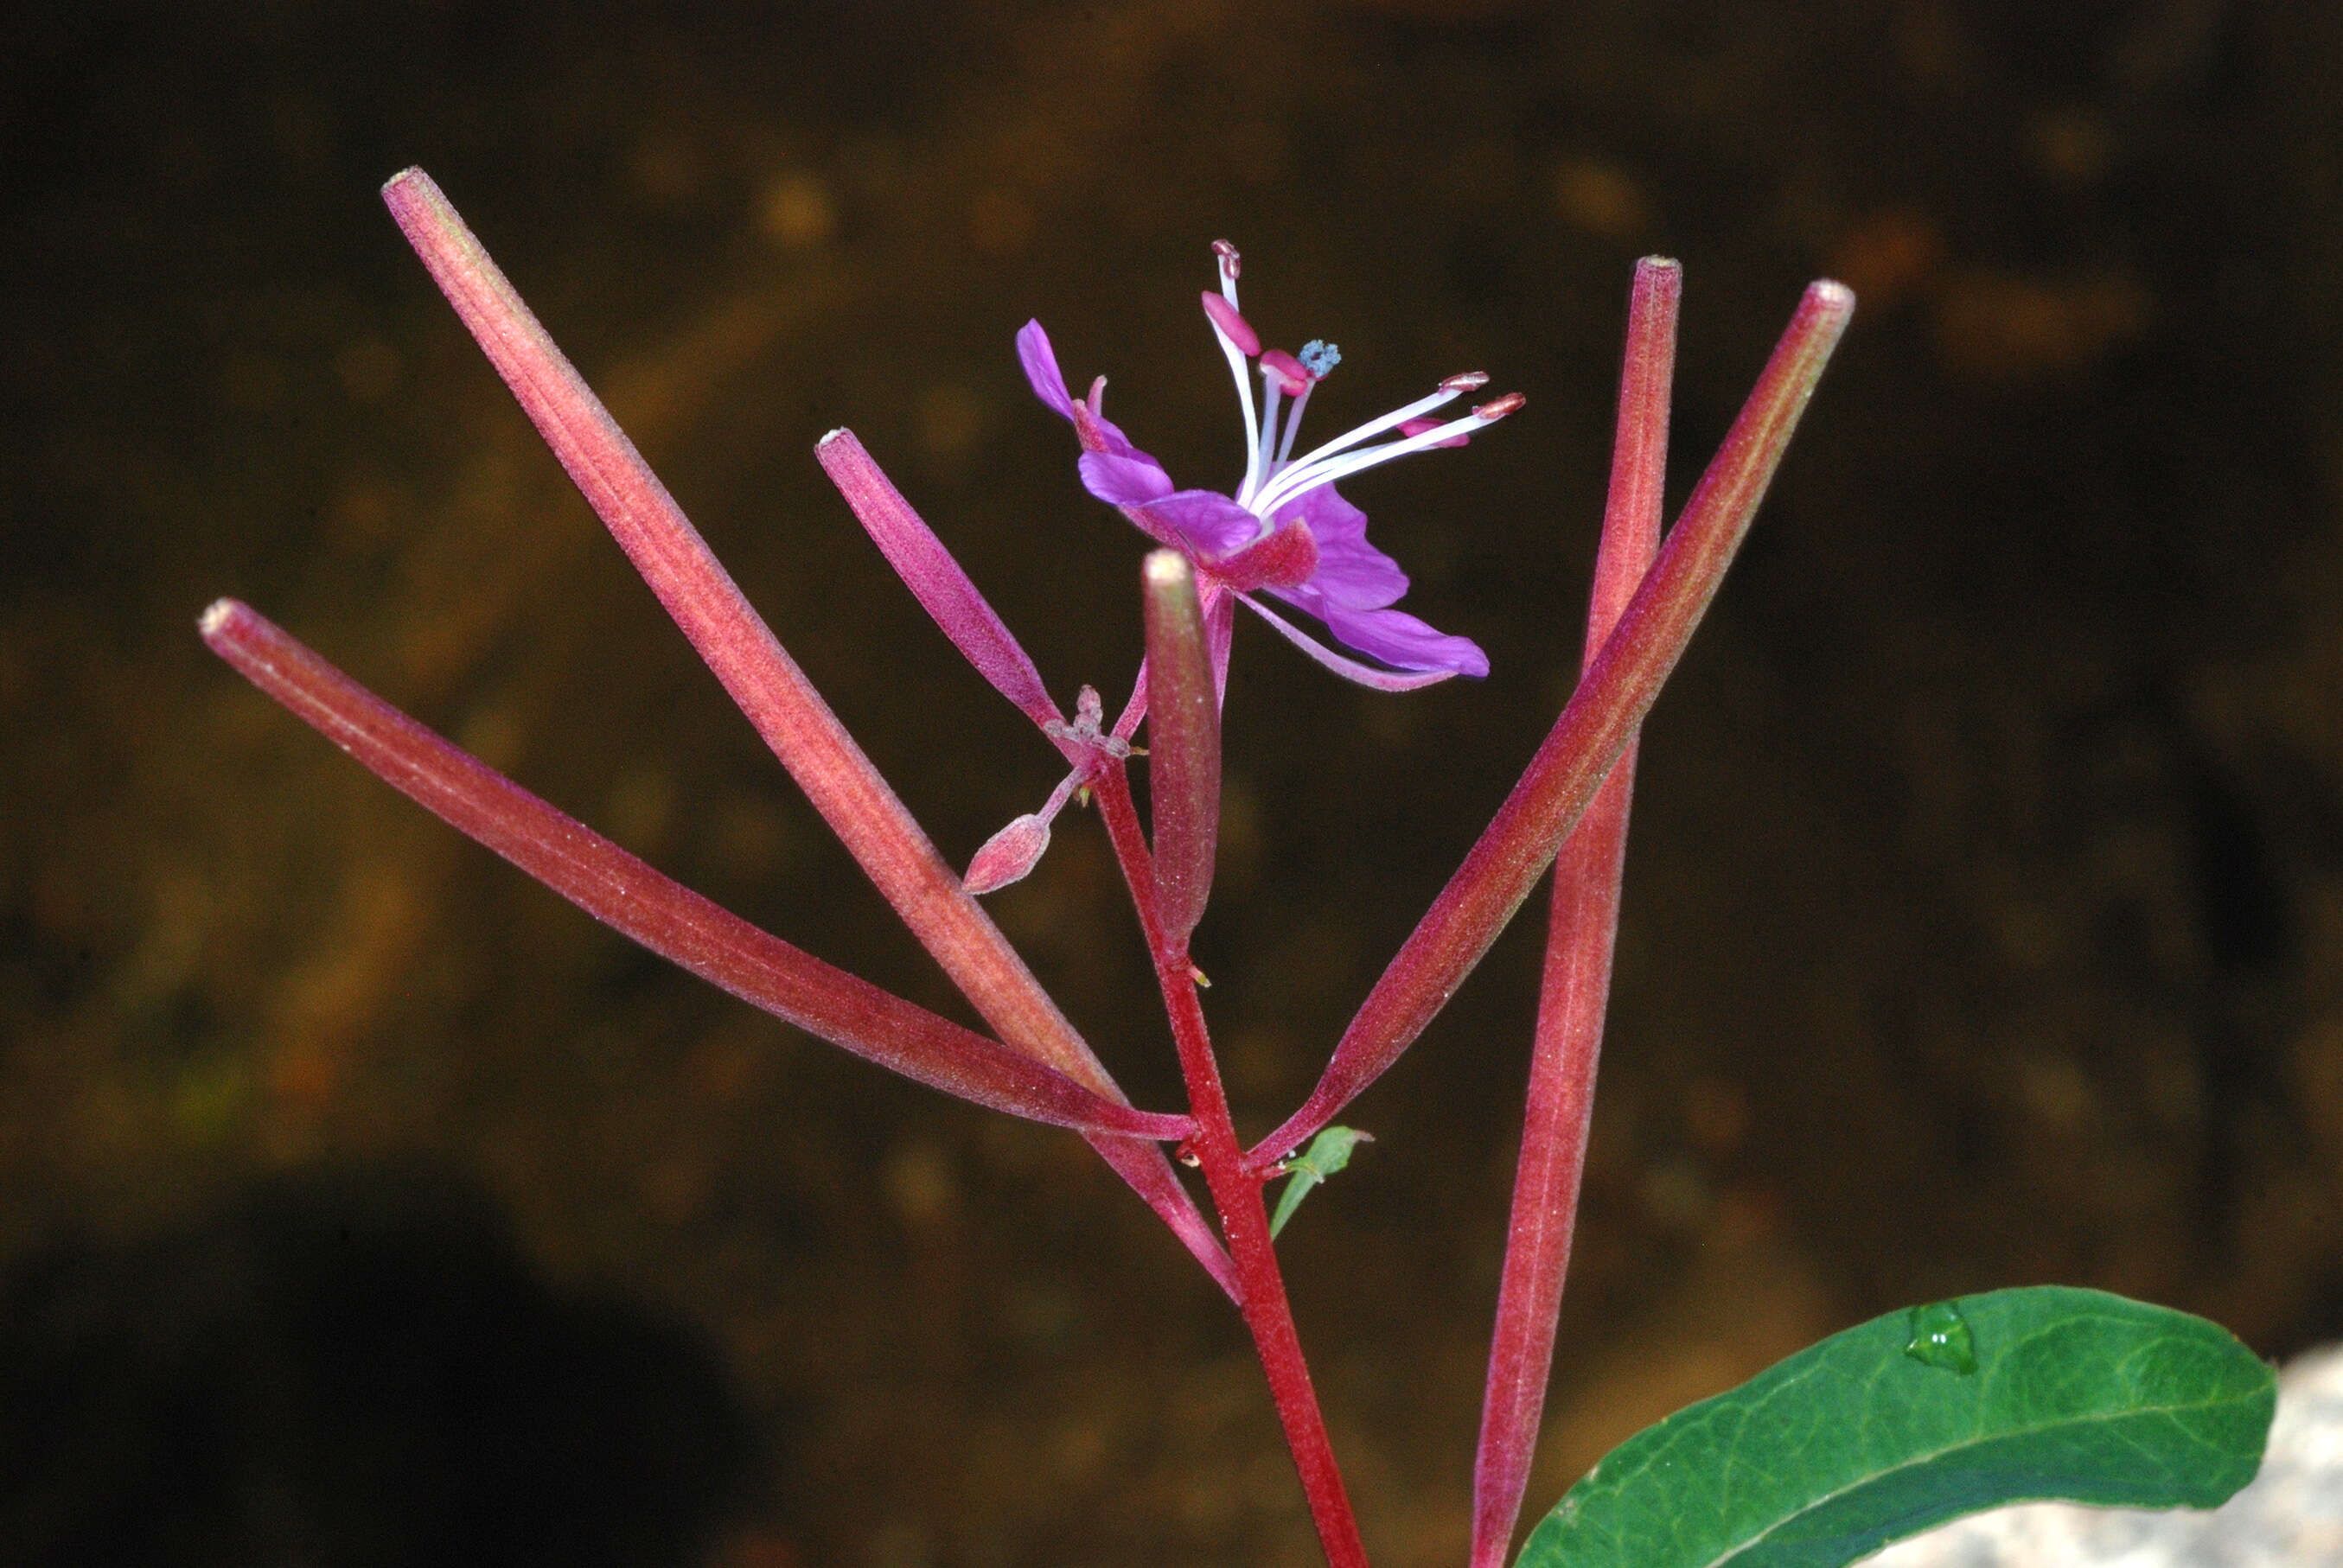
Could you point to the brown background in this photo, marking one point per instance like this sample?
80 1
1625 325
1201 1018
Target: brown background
1984 909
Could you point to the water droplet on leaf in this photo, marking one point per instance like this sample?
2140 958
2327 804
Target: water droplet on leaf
1940 1337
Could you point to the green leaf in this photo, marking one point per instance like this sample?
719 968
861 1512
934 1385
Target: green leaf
1921 1416
1328 1152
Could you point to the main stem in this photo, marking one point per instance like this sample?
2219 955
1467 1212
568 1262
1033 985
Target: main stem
1236 1194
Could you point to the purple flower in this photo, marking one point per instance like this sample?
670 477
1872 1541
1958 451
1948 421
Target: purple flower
1285 531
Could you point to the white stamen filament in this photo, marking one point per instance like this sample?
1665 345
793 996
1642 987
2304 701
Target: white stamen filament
1236 359
1267 467
1389 421
1270 480
1306 476
1292 424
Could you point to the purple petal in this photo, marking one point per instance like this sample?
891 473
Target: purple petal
1399 639
1040 364
1131 481
1359 579
1330 517
1209 523
1099 433
1348 668
1352 573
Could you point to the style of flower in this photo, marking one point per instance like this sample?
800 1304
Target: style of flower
1286 531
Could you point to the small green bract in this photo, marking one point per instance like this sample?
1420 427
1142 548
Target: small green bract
1328 1152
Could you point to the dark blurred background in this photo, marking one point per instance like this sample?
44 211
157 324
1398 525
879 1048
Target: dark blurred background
1984 909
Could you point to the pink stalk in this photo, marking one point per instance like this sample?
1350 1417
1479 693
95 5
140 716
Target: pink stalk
938 581
1183 731
1587 738
1580 937
960 611
670 920
767 685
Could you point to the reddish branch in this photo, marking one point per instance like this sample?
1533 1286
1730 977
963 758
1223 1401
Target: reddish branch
1580 935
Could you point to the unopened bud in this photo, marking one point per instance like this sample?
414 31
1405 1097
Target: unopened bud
1008 856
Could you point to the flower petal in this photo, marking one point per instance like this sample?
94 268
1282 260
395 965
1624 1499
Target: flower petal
1040 362
1131 481
1399 639
1330 518
1099 433
1211 524
1348 669
1352 573
1359 579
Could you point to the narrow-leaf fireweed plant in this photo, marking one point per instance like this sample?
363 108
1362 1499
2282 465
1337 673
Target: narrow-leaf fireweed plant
1883 1430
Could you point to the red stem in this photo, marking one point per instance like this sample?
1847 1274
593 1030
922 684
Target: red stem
664 916
1236 1194
1580 937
